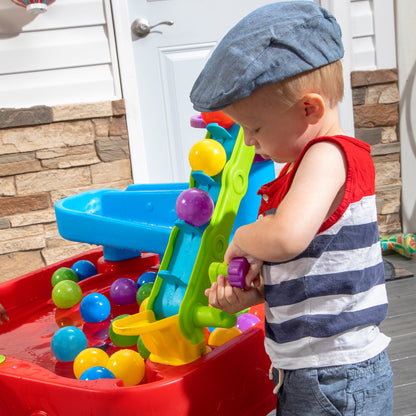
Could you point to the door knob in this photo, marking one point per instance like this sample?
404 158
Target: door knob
141 26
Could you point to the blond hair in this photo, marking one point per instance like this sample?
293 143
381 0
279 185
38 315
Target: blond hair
327 81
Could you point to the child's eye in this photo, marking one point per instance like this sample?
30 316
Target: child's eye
251 130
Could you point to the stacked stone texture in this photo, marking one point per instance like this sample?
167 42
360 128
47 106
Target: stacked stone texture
48 153
376 117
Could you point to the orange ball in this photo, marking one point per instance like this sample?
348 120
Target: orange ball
217 117
257 310
220 336
206 333
208 156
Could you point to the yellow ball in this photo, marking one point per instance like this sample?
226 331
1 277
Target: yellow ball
90 357
143 305
127 365
220 336
208 156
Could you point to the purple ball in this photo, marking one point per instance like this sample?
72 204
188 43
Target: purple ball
123 291
194 206
246 321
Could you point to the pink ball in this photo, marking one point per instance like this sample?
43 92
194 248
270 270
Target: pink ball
194 206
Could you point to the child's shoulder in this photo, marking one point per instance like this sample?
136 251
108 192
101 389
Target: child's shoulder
355 153
347 143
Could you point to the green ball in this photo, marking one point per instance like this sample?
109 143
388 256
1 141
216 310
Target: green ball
144 292
121 340
66 294
63 273
143 351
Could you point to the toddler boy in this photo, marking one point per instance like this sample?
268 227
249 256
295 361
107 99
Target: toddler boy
314 252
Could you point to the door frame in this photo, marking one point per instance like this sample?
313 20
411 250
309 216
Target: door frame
341 11
406 32
130 92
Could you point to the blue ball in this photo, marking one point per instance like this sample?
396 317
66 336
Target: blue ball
147 277
67 343
96 373
95 307
84 269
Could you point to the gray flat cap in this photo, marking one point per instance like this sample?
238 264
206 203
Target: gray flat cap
273 43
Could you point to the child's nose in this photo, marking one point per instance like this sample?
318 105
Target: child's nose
249 138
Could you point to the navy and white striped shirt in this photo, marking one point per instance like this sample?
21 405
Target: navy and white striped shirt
324 307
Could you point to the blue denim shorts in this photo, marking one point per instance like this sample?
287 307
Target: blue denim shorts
362 389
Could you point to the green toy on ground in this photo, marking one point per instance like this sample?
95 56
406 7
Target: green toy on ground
403 244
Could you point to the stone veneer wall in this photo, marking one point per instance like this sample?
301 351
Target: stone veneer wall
48 153
376 118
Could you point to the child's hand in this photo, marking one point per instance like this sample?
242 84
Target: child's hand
231 299
3 314
252 276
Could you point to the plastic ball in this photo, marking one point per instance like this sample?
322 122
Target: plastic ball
144 292
67 343
206 333
246 321
220 336
96 373
194 206
66 294
217 117
63 273
121 340
84 269
146 277
95 307
123 291
127 365
90 357
143 305
141 348
208 156
257 310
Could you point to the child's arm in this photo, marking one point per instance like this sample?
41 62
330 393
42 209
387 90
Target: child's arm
316 192
3 314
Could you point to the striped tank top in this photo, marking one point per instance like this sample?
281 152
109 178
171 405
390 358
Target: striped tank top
323 308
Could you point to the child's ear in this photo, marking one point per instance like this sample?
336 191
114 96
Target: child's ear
313 107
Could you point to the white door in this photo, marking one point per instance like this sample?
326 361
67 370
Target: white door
158 71
166 64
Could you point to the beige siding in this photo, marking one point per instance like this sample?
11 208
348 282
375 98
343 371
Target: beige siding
373 34
66 55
